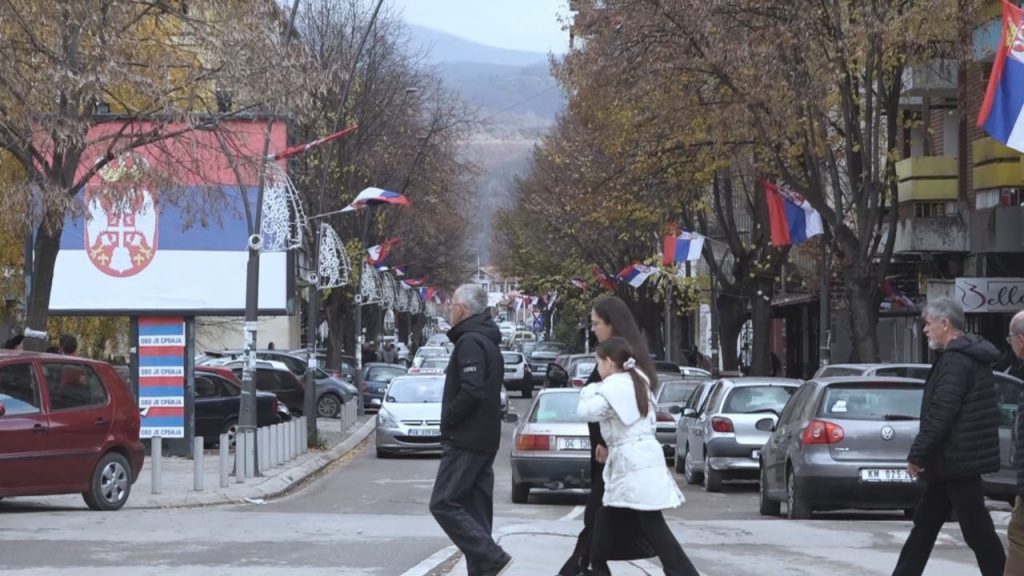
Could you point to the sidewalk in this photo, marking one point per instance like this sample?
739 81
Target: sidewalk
177 479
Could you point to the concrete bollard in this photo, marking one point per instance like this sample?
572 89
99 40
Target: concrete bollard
289 439
239 457
261 461
250 454
272 446
305 436
225 461
156 452
278 445
197 464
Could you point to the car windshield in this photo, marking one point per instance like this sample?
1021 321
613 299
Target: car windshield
676 392
435 363
548 347
584 368
415 390
750 399
511 358
833 371
431 352
556 407
875 402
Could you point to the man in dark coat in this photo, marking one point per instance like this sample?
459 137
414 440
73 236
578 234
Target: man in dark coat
463 498
958 441
1015 531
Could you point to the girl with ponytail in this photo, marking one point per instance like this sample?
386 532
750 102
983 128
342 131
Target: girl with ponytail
636 481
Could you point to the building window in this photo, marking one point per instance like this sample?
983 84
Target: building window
934 209
997 197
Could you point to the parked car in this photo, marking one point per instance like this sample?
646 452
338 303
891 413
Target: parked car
68 425
842 443
273 377
430 352
569 370
431 366
376 377
517 373
672 392
438 340
666 367
507 329
1001 485
218 400
519 338
694 372
543 353
724 443
552 445
409 419
688 414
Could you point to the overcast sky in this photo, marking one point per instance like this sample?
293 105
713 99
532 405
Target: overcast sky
516 24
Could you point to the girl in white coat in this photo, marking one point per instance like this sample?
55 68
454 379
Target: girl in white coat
635 474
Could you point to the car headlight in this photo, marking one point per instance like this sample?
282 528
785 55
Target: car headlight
386 420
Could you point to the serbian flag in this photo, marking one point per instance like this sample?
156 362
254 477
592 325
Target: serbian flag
415 282
1002 112
379 254
790 215
684 247
580 283
374 197
426 293
636 274
608 283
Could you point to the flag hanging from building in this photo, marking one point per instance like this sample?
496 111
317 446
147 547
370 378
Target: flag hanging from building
375 196
636 274
1002 111
790 215
682 247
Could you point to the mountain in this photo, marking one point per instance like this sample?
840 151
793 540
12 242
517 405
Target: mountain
444 47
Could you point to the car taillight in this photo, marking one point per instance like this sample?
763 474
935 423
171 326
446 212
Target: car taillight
719 424
533 442
818 432
577 383
273 405
664 417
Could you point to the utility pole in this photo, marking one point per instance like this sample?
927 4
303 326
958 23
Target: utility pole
668 318
824 307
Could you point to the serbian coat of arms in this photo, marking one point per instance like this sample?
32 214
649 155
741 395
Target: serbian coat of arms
121 231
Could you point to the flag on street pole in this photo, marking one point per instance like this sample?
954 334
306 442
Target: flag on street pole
682 247
1002 111
636 274
374 196
790 215
609 284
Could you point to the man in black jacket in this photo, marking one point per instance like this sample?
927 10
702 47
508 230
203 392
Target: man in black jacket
463 498
958 441
1015 531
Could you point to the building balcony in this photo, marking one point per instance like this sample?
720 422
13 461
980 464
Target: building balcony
935 78
995 165
921 234
997 229
927 178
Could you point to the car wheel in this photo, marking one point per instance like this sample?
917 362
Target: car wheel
797 506
689 472
383 454
712 477
768 507
231 429
328 406
520 493
680 465
110 485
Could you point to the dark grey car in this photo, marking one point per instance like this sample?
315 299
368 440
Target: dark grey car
842 443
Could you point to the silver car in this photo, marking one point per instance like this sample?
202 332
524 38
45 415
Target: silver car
672 393
724 443
552 445
409 419
688 414
842 443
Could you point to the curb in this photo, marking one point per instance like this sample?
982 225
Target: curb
277 486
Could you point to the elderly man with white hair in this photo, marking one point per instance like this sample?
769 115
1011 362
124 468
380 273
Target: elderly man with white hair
463 498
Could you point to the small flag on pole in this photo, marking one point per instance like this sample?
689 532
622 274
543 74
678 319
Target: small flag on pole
609 284
684 247
375 196
636 274
790 215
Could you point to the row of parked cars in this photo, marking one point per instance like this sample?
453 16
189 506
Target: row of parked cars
837 441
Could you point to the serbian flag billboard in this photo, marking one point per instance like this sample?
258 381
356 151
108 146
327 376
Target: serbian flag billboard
1003 109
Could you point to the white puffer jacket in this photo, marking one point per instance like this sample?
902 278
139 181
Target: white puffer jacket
635 474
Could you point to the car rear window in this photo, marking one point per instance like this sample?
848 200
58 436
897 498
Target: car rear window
876 402
833 371
676 392
438 363
511 357
749 399
584 369
556 407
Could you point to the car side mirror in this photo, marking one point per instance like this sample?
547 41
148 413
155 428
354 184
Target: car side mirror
689 412
765 425
674 409
510 418
3 409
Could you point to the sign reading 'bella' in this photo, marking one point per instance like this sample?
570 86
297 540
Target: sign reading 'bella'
990 294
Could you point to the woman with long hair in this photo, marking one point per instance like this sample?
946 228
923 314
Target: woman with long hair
637 483
609 317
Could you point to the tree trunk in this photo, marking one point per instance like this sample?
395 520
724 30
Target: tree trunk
862 295
47 245
403 320
761 319
732 313
338 339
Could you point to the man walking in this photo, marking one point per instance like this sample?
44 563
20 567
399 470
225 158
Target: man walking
958 441
1015 531
463 497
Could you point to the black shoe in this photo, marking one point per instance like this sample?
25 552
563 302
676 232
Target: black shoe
500 566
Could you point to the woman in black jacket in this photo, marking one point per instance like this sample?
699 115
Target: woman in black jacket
610 317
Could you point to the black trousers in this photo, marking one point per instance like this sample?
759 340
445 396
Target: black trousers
463 504
967 497
608 530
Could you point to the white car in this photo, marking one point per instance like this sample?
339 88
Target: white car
409 419
696 372
517 373
431 366
430 352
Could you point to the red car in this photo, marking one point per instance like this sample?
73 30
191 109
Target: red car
67 424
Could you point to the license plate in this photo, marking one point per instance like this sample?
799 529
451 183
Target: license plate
425 432
885 475
573 443
756 454
510 370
